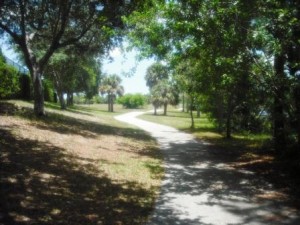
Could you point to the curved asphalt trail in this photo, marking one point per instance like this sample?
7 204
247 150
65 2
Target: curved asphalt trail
198 189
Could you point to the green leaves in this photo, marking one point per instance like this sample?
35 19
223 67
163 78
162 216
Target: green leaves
9 80
111 85
132 101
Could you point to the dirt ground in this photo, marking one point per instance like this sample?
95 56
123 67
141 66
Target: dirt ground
74 169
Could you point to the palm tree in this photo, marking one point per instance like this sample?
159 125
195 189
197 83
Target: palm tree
163 93
111 85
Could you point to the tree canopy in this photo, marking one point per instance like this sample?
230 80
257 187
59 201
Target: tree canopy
40 28
243 62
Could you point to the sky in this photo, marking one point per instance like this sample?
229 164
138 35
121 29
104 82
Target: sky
122 64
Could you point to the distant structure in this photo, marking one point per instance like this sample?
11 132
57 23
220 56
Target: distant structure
19 67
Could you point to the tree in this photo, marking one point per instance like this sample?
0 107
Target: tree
212 33
163 93
277 35
72 73
40 28
111 85
162 90
156 73
186 76
232 47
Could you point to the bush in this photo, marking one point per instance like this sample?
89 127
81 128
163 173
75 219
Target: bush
132 101
9 80
48 91
98 99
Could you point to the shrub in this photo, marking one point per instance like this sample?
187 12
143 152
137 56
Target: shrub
98 99
48 91
132 101
9 80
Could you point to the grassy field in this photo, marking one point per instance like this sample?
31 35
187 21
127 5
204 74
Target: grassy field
205 130
77 166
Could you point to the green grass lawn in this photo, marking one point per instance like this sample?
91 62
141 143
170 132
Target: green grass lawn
76 166
206 130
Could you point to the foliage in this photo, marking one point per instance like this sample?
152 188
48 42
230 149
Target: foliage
9 79
162 90
48 91
156 73
242 64
162 94
132 101
71 73
111 86
38 29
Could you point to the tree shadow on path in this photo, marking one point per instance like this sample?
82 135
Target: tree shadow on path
202 188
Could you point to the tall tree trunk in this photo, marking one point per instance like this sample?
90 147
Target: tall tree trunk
59 89
278 107
70 99
198 111
191 113
297 103
61 100
38 92
55 97
112 104
228 125
108 102
294 59
229 117
155 110
183 102
165 108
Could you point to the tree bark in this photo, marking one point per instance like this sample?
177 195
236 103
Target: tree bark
278 107
165 108
70 99
198 111
108 102
191 113
183 102
228 126
112 104
61 100
38 92
297 103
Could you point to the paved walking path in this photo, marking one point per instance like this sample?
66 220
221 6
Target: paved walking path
200 189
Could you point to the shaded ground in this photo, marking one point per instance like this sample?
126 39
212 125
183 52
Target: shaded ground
66 170
203 187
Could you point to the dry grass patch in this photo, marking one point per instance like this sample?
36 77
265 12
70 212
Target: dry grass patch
72 168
